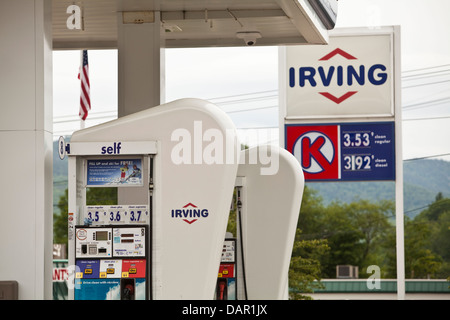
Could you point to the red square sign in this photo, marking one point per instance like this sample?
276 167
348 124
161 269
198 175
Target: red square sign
226 270
316 147
134 268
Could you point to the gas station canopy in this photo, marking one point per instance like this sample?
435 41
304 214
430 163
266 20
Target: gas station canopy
198 23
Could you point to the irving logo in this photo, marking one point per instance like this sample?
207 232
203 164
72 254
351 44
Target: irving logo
348 75
190 211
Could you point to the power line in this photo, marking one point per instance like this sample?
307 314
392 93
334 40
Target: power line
430 118
424 84
276 127
246 100
425 103
242 94
425 72
428 96
428 157
253 109
425 75
101 115
426 68
427 206
96 115
251 128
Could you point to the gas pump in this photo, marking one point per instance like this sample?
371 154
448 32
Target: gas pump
268 207
172 210
111 245
226 282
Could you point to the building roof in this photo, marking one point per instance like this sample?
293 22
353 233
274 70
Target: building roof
386 286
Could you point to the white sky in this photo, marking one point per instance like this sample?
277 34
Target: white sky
248 77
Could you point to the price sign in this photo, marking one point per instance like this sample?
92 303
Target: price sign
367 151
101 215
344 152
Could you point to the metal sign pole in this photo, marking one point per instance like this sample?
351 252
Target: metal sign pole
322 116
399 218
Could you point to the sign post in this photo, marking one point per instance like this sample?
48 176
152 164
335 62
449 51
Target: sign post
340 111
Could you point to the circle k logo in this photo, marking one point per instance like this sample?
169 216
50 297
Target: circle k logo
315 151
316 148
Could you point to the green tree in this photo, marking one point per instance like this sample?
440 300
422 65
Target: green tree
420 261
354 233
436 209
60 220
426 240
434 222
372 224
440 243
343 238
311 216
305 269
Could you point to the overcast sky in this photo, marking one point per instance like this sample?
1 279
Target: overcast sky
247 78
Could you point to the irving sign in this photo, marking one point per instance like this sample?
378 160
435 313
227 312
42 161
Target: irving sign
337 105
341 108
351 76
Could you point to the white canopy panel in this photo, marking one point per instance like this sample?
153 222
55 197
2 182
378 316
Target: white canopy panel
198 23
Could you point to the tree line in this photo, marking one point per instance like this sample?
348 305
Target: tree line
363 233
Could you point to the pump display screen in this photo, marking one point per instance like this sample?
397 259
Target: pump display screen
129 242
101 235
93 242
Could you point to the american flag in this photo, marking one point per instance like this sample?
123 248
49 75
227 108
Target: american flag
83 75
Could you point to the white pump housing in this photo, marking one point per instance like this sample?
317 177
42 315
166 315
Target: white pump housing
190 173
269 214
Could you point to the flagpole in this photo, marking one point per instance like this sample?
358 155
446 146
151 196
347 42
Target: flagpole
79 77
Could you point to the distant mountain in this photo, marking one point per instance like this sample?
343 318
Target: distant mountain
433 175
423 180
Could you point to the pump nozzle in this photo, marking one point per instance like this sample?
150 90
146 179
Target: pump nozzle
221 289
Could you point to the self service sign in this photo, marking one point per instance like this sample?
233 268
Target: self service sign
344 152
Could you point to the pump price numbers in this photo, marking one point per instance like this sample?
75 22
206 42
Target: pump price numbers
367 151
100 215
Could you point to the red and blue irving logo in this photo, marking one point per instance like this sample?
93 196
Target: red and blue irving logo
337 75
189 213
